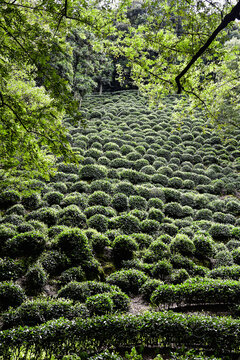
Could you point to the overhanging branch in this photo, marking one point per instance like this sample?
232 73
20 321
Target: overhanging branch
233 15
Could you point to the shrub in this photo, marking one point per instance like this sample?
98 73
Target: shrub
123 248
129 281
179 276
101 185
17 209
12 219
46 215
39 226
203 245
124 188
34 312
127 223
10 295
179 261
159 249
75 198
54 262
53 231
137 202
24 227
155 203
150 226
99 242
103 210
72 216
162 269
172 195
120 202
120 163
235 233
53 197
100 304
31 243
169 229
182 244
72 274
6 233
220 232
31 201
134 176
99 198
173 209
9 198
203 214
165 238
159 179
80 291
198 291
223 258
92 172
155 214
175 182
225 272
233 207
98 222
75 245
35 279
149 287
143 240
10 269
80 187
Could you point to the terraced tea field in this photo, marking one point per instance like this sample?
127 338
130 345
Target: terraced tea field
138 245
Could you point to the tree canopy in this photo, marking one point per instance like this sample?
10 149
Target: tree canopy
53 52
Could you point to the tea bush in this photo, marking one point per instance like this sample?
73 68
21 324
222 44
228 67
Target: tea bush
129 281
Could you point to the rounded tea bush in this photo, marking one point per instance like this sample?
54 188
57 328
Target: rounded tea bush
10 295
155 214
129 281
155 203
203 245
9 198
173 209
220 232
99 242
137 202
75 245
80 291
92 172
38 311
179 276
123 248
10 269
149 287
72 216
159 249
150 226
72 274
182 244
30 243
98 222
120 202
99 198
35 279
31 201
100 304
54 262
53 197
162 269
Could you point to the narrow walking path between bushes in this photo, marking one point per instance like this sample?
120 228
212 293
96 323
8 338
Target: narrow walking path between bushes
138 306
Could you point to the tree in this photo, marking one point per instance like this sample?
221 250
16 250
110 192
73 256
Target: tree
178 49
35 88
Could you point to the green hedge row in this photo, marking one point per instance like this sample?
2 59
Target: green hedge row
221 335
198 291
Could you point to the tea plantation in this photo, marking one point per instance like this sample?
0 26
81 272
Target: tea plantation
151 215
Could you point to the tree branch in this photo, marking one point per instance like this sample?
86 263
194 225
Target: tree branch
233 15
